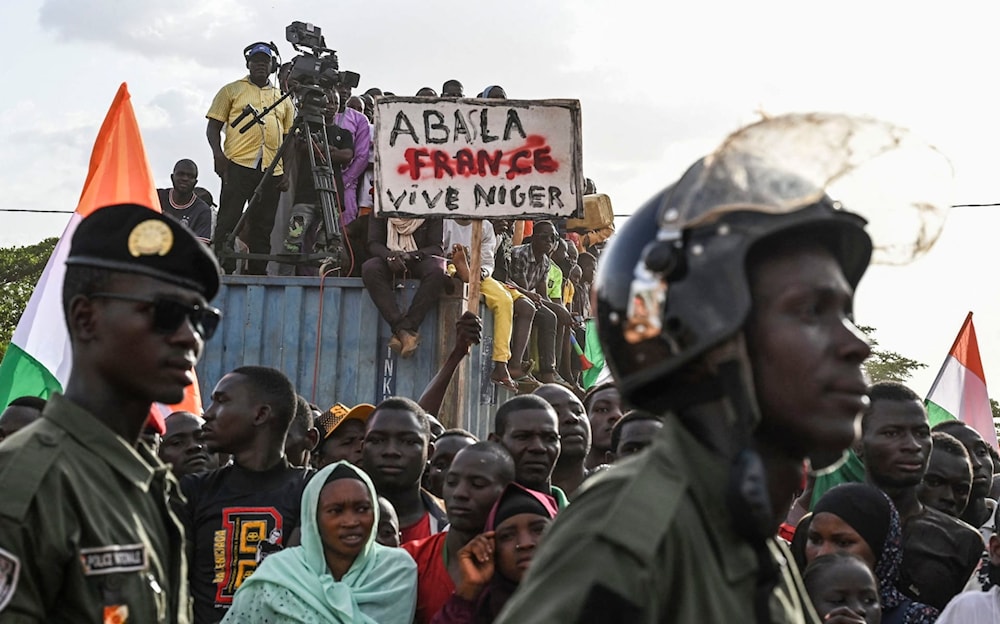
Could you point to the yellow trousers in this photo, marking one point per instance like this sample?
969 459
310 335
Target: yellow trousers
500 301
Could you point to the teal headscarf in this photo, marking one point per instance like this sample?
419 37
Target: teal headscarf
296 585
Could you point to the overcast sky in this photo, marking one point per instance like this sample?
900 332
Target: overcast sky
660 84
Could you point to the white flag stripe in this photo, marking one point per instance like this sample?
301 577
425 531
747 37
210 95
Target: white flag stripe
41 332
963 395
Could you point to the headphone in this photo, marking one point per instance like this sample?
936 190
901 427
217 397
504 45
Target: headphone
274 57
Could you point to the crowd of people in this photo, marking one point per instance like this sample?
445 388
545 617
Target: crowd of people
529 282
738 466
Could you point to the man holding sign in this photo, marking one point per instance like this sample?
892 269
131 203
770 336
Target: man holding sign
478 159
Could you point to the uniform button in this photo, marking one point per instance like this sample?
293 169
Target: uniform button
47 439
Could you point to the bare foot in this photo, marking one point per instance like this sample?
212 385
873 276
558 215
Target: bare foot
501 376
461 262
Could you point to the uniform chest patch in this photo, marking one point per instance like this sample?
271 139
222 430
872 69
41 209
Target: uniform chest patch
10 569
113 559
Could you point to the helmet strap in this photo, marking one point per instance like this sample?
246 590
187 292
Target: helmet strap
747 495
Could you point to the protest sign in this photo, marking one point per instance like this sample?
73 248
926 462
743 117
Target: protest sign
440 157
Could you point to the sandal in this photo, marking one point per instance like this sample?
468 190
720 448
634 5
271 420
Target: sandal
526 384
509 383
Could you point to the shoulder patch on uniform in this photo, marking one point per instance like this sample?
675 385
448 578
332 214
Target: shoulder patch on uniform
10 570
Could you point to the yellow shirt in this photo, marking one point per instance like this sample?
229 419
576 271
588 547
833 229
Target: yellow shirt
256 147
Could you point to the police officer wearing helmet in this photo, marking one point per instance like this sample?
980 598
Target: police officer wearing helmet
86 528
725 303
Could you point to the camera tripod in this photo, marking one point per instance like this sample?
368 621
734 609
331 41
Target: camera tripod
308 120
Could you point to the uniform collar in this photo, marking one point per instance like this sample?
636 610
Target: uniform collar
137 467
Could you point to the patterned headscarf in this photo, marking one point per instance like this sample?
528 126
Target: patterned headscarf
871 513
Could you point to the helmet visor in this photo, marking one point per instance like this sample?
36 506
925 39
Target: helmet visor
900 185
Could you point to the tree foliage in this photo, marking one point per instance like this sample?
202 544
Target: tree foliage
20 270
884 365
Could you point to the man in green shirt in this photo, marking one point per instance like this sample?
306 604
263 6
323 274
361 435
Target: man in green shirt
725 303
86 528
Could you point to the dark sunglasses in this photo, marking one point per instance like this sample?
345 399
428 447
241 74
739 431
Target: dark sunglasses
169 315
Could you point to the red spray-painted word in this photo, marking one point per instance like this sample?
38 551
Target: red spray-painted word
535 156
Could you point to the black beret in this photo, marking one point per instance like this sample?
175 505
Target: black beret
134 239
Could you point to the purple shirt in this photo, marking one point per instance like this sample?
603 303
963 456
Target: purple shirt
357 124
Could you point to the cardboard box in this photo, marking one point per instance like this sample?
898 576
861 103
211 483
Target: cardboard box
597 214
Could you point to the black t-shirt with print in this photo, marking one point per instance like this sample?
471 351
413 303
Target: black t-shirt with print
234 518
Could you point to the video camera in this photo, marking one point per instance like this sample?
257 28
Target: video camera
315 70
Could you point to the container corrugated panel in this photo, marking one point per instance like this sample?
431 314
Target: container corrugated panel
330 340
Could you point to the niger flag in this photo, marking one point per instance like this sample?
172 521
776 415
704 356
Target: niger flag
38 361
959 391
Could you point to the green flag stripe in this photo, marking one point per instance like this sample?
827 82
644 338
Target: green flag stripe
937 414
22 375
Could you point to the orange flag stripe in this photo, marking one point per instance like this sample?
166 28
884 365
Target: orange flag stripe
966 349
120 174
119 170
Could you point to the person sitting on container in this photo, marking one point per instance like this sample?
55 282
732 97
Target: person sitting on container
404 248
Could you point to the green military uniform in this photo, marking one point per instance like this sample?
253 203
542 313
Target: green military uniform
86 531
652 540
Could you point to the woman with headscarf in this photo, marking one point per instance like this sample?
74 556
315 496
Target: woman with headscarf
339 573
860 519
493 564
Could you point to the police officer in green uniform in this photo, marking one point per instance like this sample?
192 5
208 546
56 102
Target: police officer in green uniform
86 528
724 303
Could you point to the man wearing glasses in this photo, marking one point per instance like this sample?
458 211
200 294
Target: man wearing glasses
86 527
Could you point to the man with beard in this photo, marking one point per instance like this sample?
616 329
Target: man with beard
574 437
939 552
528 427
477 476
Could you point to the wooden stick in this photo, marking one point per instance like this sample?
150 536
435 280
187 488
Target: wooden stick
475 266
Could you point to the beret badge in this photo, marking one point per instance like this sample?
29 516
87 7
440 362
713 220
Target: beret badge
151 237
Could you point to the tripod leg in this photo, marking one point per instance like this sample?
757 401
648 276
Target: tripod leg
328 201
224 249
